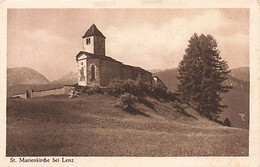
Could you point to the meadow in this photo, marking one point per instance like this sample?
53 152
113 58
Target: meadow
92 125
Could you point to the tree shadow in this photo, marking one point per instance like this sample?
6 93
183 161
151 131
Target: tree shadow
133 111
183 112
147 103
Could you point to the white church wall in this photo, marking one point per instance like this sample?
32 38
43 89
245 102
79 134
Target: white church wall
82 71
88 47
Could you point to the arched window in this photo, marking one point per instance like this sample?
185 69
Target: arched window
93 73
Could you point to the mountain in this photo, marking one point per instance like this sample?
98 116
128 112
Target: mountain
24 75
236 99
68 79
241 73
155 70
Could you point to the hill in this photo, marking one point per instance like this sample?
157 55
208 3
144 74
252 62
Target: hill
24 75
237 99
21 79
241 73
68 79
93 126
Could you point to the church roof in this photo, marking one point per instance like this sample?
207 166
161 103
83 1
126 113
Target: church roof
97 56
110 59
93 31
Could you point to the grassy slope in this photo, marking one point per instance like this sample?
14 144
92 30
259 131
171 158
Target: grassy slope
93 126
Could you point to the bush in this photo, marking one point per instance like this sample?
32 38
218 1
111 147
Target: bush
136 88
118 87
91 90
97 89
82 89
126 101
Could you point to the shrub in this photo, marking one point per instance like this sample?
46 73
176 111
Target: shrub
82 89
157 91
97 89
136 88
227 122
91 90
118 87
126 101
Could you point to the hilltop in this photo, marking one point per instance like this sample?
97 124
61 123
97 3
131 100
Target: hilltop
237 99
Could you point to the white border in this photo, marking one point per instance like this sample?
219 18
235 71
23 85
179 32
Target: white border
253 160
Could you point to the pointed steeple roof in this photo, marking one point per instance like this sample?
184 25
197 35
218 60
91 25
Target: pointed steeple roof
93 31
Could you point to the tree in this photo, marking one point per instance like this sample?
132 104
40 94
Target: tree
202 75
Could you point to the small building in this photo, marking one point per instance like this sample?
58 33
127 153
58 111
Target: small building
159 82
96 68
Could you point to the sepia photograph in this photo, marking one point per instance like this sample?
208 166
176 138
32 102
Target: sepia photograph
128 82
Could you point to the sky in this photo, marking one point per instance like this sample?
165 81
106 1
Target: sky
48 40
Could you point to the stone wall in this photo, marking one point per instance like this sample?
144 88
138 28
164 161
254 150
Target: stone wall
57 91
127 73
22 95
109 70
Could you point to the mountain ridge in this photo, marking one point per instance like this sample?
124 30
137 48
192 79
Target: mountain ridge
25 75
70 78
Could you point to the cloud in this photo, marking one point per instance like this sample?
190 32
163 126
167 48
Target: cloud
163 46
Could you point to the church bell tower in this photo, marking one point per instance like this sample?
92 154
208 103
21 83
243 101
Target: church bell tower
94 41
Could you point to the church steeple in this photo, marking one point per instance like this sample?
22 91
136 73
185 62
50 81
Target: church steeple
94 41
93 31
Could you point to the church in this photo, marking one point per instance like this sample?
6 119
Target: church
96 68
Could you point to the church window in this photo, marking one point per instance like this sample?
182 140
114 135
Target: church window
93 72
88 41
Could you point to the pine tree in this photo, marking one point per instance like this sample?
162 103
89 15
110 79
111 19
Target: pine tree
202 73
